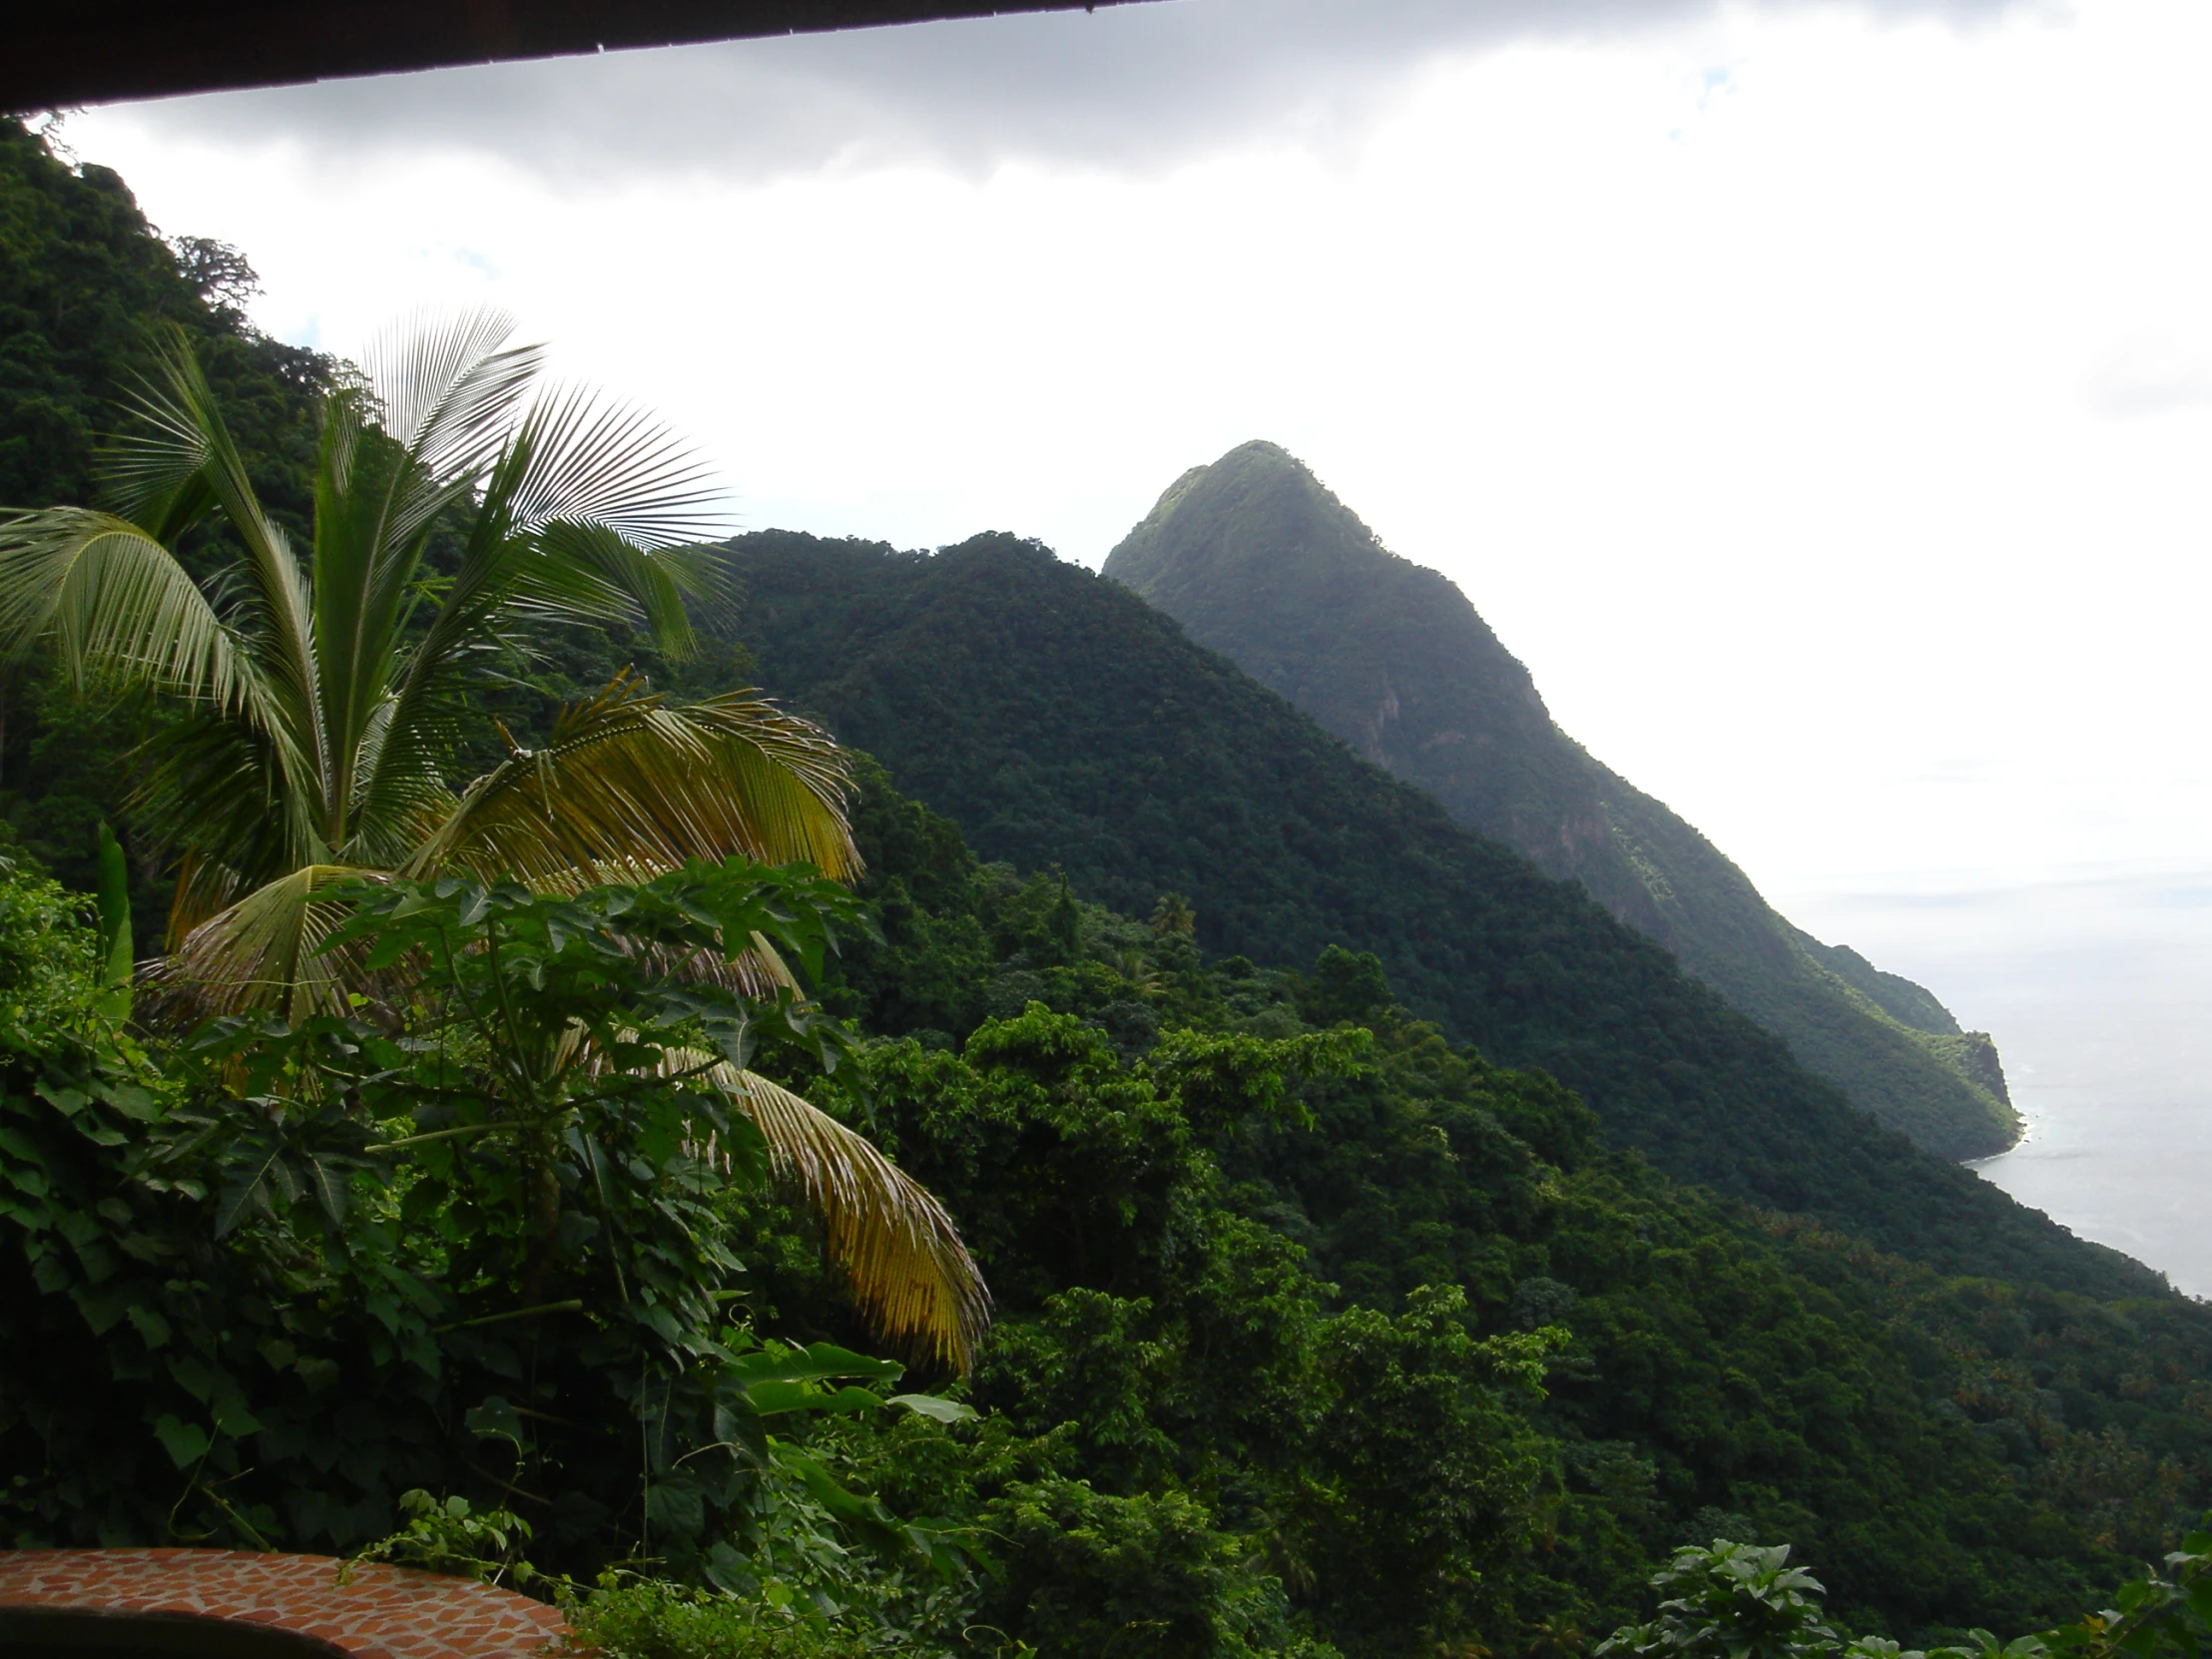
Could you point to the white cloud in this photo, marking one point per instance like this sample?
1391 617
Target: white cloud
1735 364
1131 87
2151 374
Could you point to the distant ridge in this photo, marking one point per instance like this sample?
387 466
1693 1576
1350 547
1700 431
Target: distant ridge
1063 721
1257 559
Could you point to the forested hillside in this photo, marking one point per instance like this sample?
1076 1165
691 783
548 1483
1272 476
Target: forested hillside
1325 1328
85 285
1316 1333
1065 724
1254 558
1172 1319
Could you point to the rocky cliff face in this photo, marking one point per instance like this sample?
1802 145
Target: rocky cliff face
1258 560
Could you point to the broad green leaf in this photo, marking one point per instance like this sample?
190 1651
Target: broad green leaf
115 925
186 1442
814 1363
932 1405
768 1398
149 1323
495 1418
332 1188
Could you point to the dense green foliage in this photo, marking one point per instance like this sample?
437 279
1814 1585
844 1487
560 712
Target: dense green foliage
1063 723
1321 1332
259 1289
84 281
1258 561
1964 1451
1316 1330
1740 1601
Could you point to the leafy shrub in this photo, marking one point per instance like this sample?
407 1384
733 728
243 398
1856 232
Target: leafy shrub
447 1535
653 1619
315 1273
1731 1601
1740 1601
1087 1573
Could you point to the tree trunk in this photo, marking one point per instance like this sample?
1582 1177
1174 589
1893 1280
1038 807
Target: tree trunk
541 1152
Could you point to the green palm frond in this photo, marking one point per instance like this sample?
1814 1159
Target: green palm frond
399 781
179 428
573 519
214 781
450 390
155 474
630 788
901 1254
607 464
122 608
179 422
587 573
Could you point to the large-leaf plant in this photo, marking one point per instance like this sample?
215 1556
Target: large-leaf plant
476 1239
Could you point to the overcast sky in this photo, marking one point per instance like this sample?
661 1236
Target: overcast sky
1818 397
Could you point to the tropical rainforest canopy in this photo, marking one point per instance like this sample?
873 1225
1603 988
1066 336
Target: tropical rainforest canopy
1389 1253
1062 723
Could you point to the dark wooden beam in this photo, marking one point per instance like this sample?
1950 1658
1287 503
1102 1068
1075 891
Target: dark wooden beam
58 53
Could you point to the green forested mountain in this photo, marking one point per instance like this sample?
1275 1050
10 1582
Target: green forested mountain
1321 1333
1727 1371
1065 724
1258 560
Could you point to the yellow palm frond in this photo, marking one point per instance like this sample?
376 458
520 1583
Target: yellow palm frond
630 788
264 953
903 1259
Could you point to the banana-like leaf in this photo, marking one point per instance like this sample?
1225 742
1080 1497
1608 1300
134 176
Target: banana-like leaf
901 1255
631 787
264 953
114 924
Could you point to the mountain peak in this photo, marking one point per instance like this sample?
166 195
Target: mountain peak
1258 502
1258 560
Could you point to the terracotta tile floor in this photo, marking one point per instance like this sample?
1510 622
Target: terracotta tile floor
381 1613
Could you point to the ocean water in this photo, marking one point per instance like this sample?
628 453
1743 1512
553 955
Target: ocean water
2098 990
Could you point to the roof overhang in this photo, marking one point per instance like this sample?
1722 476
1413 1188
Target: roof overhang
69 52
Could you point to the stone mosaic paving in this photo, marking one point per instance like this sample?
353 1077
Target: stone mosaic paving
383 1612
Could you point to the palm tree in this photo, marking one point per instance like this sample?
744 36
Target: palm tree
325 693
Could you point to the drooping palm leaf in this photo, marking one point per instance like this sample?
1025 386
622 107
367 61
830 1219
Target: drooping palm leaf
899 1252
264 953
629 788
120 607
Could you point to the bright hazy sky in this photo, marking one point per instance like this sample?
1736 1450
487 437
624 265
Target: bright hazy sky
1818 397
